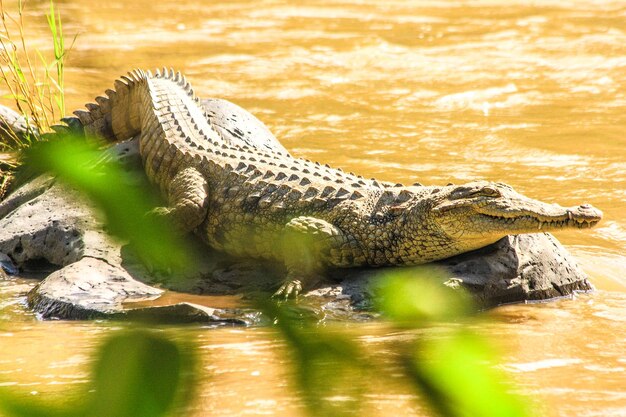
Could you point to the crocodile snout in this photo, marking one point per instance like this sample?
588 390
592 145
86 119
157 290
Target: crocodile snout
584 213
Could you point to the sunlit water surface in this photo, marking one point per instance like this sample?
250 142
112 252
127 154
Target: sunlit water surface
529 94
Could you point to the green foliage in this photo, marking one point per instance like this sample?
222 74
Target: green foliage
455 372
137 374
140 373
415 297
114 191
329 367
12 405
37 89
58 42
458 376
452 372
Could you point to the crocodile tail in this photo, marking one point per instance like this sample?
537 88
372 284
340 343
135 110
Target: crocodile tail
116 116
177 78
119 115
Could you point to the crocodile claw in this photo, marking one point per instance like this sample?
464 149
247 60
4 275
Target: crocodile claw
290 289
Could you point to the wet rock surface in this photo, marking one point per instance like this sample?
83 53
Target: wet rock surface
93 276
523 268
531 267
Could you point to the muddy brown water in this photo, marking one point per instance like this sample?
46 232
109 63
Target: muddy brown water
431 91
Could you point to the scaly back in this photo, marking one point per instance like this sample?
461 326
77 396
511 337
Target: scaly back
119 115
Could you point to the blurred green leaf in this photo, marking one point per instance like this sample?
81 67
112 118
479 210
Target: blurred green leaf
413 297
111 189
453 372
13 406
136 374
457 375
329 367
139 373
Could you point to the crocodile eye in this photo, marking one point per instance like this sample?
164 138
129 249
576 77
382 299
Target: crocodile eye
489 192
475 191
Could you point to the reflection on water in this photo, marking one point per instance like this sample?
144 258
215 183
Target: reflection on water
426 91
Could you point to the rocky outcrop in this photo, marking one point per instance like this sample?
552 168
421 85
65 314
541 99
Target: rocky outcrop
530 267
44 221
246 201
523 268
91 275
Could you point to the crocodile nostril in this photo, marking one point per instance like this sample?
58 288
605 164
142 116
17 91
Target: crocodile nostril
585 206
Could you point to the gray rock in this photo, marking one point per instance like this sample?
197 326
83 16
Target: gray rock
191 313
240 126
92 277
531 267
88 288
12 124
523 268
7 266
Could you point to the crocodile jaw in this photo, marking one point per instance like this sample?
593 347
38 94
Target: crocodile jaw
484 220
492 226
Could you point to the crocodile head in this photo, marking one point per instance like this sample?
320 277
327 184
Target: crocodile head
480 213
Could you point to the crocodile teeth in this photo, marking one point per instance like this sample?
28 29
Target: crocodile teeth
539 227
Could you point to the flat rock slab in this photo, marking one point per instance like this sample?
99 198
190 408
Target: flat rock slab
191 313
88 288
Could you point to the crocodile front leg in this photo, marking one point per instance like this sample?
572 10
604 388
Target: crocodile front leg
309 245
187 198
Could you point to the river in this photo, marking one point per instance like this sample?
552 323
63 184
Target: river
528 93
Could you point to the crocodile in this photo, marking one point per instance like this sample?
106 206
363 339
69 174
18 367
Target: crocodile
254 202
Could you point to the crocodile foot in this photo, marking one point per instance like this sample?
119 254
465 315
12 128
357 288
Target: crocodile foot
291 288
